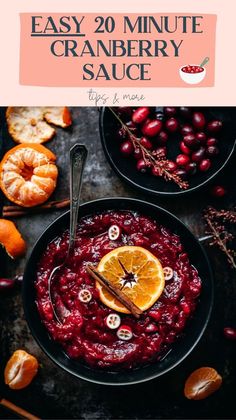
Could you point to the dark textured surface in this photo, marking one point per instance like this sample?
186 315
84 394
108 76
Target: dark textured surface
55 394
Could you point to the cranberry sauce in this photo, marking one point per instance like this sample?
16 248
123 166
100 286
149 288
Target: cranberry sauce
84 333
192 69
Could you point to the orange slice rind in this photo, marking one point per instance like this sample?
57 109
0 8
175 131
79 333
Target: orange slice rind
28 174
137 272
11 239
32 124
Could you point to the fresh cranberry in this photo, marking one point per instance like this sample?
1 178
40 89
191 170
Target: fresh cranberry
181 173
182 160
146 143
186 129
6 284
151 128
140 115
204 165
191 141
185 112
212 151
191 168
171 166
162 138
214 126
156 171
185 149
127 148
142 166
212 142
138 153
201 136
199 154
199 120
170 111
218 191
172 125
230 333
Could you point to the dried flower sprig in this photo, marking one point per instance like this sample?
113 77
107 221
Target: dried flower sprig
219 226
153 159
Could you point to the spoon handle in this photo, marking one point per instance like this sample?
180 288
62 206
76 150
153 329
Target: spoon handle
78 156
205 61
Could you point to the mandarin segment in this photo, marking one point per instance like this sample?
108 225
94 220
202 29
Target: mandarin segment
31 124
202 383
20 369
134 270
28 174
11 239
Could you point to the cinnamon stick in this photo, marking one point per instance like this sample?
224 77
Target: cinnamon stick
18 211
115 291
18 410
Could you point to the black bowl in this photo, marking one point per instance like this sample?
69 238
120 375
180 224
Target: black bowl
183 345
126 167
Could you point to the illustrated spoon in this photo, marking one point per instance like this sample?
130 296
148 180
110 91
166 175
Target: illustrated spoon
205 61
78 156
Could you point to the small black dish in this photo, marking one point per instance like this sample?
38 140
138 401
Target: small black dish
126 167
183 346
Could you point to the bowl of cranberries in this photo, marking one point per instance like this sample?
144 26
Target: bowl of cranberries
95 339
168 151
192 74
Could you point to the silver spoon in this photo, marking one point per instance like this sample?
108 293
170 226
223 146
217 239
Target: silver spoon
78 156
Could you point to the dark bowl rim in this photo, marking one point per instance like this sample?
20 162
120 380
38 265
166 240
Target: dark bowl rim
150 377
141 187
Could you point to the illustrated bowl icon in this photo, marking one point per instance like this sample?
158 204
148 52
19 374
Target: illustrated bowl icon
192 74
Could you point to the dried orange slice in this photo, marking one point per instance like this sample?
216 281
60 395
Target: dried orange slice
30 124
134 270
20 369
28 174
11 239
202 383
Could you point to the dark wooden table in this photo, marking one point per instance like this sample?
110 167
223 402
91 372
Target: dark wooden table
54 393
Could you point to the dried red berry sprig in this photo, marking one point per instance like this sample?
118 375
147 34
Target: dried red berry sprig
154 159
219 227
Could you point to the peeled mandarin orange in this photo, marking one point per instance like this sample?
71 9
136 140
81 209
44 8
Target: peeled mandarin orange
28 174
134 270
20 369
11 239
202 383
30 124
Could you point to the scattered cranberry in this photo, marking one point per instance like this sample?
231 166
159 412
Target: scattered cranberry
185 149
172 125
199 120
230 333
127 148
191 141
171 166
212 142
191 168
162 138
182 160
151 128
201 136
140 115
170 111
218 191
212 151
185 112
186 129
141 166
146 143
6 284
138 153
214 126
204 165
199 154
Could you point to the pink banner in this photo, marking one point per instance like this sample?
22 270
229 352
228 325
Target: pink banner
133 50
